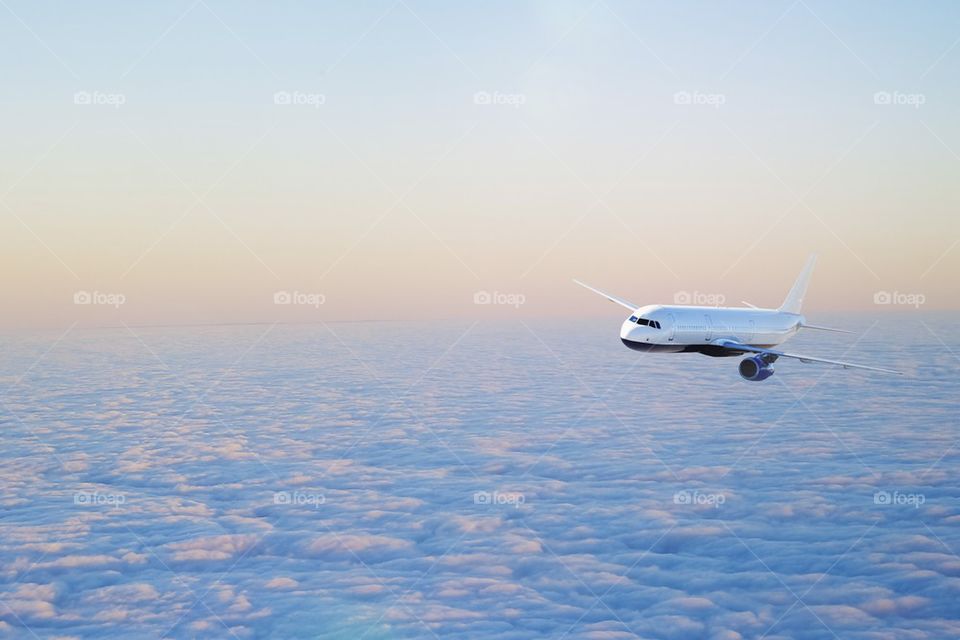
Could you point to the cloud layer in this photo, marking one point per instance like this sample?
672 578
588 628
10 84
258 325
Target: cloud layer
369 483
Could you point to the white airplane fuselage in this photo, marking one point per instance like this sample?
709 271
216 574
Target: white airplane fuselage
726 331
693 329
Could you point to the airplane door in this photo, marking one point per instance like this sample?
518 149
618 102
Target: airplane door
673 327
709 328
751 332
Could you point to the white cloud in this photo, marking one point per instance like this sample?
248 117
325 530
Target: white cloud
399 533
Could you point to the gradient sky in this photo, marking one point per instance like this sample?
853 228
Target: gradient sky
400 197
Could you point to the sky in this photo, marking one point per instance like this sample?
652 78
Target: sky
203 161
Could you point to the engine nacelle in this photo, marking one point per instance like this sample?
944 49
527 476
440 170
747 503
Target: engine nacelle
755 369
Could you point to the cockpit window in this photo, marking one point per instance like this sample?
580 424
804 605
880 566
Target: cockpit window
645 322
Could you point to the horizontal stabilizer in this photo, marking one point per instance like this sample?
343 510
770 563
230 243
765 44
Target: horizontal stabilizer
822 328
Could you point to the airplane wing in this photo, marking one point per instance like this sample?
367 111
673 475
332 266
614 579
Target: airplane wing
736 346
619 301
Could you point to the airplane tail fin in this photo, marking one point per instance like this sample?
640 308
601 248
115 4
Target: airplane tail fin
794 299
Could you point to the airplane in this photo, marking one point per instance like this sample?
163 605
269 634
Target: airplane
726 331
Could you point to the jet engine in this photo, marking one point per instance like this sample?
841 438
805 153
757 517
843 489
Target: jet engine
755 369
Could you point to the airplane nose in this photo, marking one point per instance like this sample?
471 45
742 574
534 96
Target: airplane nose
625 329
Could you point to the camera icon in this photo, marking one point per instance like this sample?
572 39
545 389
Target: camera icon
482 97
82 297
482 297
82 97
282 97
882 297
282 497
882 497
682 297
682 497
482 497
682 97
282 297
882 97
